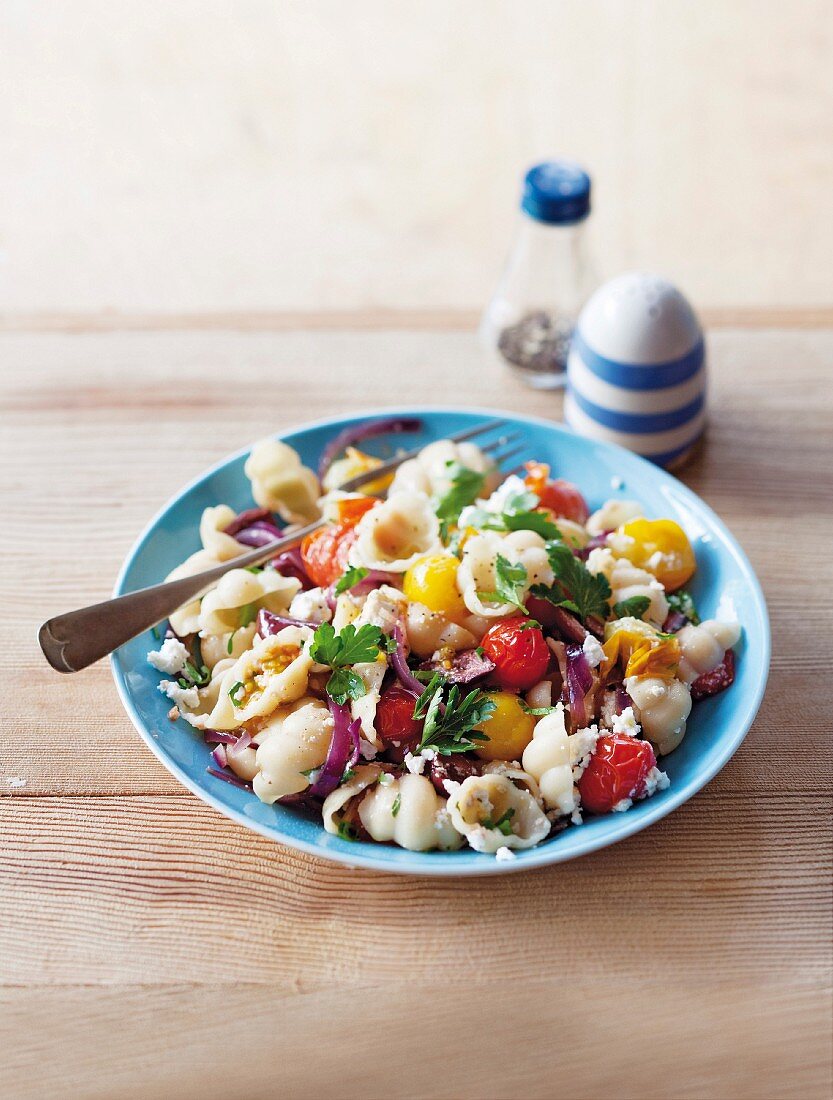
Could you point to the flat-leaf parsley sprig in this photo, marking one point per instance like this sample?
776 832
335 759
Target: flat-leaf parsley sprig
574 587
510 583
341 651
518 514
464 488
450 720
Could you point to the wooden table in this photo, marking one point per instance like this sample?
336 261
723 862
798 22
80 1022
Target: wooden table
152 948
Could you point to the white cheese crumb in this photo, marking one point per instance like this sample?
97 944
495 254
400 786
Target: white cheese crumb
620 807
626 723
368 751
582 745
726 610
311 606
616 482
450 787
576 818
655 781
504 854
170 657
16 782
183 697
442 818
416 764
593 651
385 779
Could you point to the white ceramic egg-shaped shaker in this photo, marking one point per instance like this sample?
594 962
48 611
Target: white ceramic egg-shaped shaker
636 373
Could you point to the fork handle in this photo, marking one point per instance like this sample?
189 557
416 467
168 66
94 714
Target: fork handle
77 639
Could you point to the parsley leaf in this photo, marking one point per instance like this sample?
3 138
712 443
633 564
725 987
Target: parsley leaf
574 587
503 822
341 651
397 805
538 712
633 607
681 601
350 579
518 515
347 831
510 581
248 614
235 690
193 677
450 720
466 486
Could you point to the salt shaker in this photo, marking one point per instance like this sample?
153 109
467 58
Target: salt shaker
637 369
548 277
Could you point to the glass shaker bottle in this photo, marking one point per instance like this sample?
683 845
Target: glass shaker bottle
548 277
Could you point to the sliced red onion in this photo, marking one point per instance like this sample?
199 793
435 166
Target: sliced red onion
374 579
290 563
270 623
219 737
342 753
568 626
623 700
367 429
229 777
466 666
675 621
246 518
399 663
219 756
239 746
594 544
579 683
259 534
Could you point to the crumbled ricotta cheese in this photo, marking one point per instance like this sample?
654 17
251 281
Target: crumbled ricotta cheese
504 854
311 606
170 657
183 697
385 779
655 561
442 818
450 787
576 818
655 781
478 838
582 746
626 723
367 751
620 807
592 650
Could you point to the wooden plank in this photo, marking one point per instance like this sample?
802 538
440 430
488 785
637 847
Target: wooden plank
560 1035
165 890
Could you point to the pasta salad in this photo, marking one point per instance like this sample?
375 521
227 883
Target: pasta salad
456 657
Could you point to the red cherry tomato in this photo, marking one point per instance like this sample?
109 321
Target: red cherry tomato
559 496
395 720
617 770
325 552
519 651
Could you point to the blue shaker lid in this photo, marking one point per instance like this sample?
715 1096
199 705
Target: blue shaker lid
556 192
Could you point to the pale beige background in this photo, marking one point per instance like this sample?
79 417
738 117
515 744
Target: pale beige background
267 155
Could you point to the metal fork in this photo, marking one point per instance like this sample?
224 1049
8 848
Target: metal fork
77 639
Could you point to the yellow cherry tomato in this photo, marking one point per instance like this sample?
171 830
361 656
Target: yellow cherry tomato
509 729
432 581
661 546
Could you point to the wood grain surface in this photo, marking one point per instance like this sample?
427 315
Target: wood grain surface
152 948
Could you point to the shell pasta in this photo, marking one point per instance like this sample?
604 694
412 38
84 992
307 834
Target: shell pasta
452 660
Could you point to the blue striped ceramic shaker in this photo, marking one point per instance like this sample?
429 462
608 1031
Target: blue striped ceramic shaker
636 374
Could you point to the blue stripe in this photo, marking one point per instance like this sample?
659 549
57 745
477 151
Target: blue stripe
638 422
634 376
668 456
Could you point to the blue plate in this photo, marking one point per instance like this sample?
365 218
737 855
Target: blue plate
716 727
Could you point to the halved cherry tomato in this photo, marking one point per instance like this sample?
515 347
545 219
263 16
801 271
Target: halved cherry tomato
395 720
509 728
519 651
617 770
558 495
325 552
661 546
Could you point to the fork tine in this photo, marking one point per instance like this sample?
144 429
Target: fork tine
507 454
490 448
395 462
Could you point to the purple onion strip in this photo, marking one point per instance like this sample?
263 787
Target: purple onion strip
568 626
290 563
219 757
270 623
367 429
579 682
246 518
342 753
399 664
228 777
219 737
